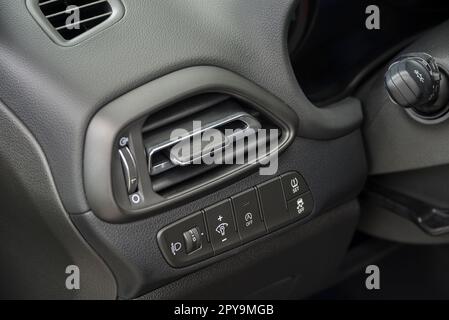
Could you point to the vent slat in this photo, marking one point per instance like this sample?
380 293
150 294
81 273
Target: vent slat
79 8
83 21
91 14
172 172
43 3
61 5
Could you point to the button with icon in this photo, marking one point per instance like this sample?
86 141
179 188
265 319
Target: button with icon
221 225
294 185
273 205
237 220
185 242
301 207
247 215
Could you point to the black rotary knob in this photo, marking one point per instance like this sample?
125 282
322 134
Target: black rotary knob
414 81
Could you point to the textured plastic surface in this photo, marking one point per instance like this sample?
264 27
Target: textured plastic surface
381 223
118 10
131 249
105 128
38 240
395 141
56 90
430 185
404 154
305 259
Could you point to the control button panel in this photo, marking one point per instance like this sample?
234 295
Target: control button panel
232 222
221 226
248 215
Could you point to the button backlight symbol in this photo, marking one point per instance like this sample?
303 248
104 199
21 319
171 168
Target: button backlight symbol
294 183
221 229
175 247
248 219
300 205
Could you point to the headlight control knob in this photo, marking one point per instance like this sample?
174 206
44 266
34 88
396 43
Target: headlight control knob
415 81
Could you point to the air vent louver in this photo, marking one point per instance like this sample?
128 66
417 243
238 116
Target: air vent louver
70 21
169 172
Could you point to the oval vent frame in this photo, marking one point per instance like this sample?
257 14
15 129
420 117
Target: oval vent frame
126 115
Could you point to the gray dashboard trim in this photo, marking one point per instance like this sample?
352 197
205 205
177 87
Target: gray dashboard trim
131 249
38 238
395 141
56 90
118 11
104 129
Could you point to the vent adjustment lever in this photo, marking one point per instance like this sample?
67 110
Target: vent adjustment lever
129 169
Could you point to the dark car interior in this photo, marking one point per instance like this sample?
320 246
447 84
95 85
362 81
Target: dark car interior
92 180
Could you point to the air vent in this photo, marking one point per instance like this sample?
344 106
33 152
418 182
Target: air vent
68 22
234 122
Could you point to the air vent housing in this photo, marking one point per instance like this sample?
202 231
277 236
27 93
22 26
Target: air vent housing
136 120
68 22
